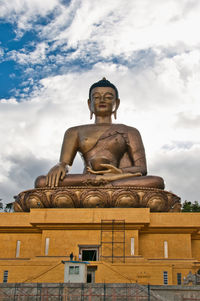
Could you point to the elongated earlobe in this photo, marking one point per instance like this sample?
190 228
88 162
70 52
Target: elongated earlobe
89 105
116 107
91 115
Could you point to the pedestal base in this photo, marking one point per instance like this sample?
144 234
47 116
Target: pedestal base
92 197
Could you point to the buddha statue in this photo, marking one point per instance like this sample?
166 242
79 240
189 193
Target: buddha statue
112 153
115 171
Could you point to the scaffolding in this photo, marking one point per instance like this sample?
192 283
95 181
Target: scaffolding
95 292
76 292
113 234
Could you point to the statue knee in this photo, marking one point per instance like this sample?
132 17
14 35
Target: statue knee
40 182
160 183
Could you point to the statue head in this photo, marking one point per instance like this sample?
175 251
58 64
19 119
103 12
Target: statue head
103 83
105 91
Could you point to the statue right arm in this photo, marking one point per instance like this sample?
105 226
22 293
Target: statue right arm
68 153
56 173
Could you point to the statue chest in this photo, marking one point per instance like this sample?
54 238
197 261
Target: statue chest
89 136
114 143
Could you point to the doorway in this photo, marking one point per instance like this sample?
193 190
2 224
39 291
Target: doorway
91 274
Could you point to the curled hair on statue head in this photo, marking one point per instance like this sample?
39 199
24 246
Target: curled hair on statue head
103 83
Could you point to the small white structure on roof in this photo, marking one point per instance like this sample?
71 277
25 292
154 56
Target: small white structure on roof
75 271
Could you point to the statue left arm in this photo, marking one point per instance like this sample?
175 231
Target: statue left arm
136 153
136 166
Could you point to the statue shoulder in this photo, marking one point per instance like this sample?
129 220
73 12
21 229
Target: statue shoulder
75 130
127 129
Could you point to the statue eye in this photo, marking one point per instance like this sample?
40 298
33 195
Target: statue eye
108 97
96 98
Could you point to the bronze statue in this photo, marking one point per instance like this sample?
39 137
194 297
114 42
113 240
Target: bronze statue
115 173
113 153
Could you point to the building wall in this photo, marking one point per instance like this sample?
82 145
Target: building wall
152 245
63 241
68 229
196 246
30 245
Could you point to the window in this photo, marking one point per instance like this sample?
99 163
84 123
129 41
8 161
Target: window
18 248
89 252
5 276
76 270
179 278
165 249
73 270
46 246
132 246
165 277
89 255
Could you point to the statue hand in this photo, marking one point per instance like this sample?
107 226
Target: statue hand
55 174
110 169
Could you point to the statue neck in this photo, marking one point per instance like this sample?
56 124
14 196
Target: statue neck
103 119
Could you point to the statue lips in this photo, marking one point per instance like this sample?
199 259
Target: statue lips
102 106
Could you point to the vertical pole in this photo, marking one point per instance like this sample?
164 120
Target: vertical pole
104 292
15 292
61 292
82 292
149 292
39 292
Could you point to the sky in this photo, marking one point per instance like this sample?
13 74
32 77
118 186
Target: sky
52 51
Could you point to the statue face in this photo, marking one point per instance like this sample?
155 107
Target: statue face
103 100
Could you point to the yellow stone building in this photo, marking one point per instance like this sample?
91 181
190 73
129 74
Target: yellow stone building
121 245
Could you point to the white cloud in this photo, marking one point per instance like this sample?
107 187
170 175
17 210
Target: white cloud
119 28
24 12
179 167
188 120
9 101
122 27
1 53
38 56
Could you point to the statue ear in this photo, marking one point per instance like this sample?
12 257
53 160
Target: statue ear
89 105
117 102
